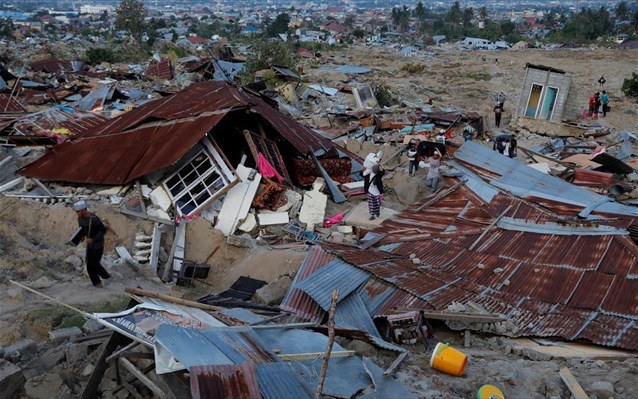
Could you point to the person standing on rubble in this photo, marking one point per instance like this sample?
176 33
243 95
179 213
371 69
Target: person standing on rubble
440 138
468 133
432 179
604 98
92 233
498 111
373 186
413 157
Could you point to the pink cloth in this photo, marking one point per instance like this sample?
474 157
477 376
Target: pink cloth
336 219
266 169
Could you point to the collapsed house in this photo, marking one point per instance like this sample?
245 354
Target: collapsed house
189 144
547 94
550 259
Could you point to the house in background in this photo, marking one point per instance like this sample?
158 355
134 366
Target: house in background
547 94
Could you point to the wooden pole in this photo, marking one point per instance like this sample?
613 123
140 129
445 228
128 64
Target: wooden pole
172 299
331 340
489 227
83 313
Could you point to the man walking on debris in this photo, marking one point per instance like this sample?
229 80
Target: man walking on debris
498 110
92 232
432 179
374 189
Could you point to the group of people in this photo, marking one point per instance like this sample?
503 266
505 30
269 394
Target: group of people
598 102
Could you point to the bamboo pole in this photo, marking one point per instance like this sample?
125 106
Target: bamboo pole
331 340
172 299
73 308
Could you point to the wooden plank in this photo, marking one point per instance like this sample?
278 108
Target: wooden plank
574 387
335 193
331 340
122 350
313 355
140 195
454 316
167 276
155 247
396 363
142 377
368 243
147 217
90 390
171 299
437 197
489 227
42 186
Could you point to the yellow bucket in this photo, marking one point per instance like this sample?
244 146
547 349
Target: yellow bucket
448 360
489 392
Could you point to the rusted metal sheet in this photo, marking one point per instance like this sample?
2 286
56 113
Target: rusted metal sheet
59 117
118 159
296 300
51 65
586 177
9 104
237 381
161 70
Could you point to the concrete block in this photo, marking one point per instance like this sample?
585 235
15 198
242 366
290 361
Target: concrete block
602 389
243 241
15 294
268 219
344 229
248 224
44 362
11 379
76 352
24 346
337 237
160 199
42 282
64 334
273 293
46 386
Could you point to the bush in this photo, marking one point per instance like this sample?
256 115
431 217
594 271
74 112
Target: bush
384 96
413 67
98 55
630 86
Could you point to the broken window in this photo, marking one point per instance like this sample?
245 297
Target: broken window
198 181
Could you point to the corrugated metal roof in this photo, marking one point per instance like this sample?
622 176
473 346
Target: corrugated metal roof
351 312
335 275
239 344
58 117
551 275
158 133
8 103
51 65
190 347
384 386
277 381
295 341
121 158
95 98
237 381
346 376
161 70
526 182
297 301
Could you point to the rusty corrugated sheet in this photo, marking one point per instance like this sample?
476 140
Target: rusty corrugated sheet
51 65
238 381
157 134
59 117
588 177
297 301
161 70
548 279
8 103
118 159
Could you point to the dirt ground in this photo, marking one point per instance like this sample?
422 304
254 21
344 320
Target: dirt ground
33 235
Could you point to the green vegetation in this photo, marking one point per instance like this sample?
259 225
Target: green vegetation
630 86
265 55
98 55
413 67
384 95
279 25
131 16
478 76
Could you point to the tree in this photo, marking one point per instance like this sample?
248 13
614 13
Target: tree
549 22
131 16
622 11
630 86
634 19
455 14
419 11
266 55
279 25
401 18
482 13
98 55
467 17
